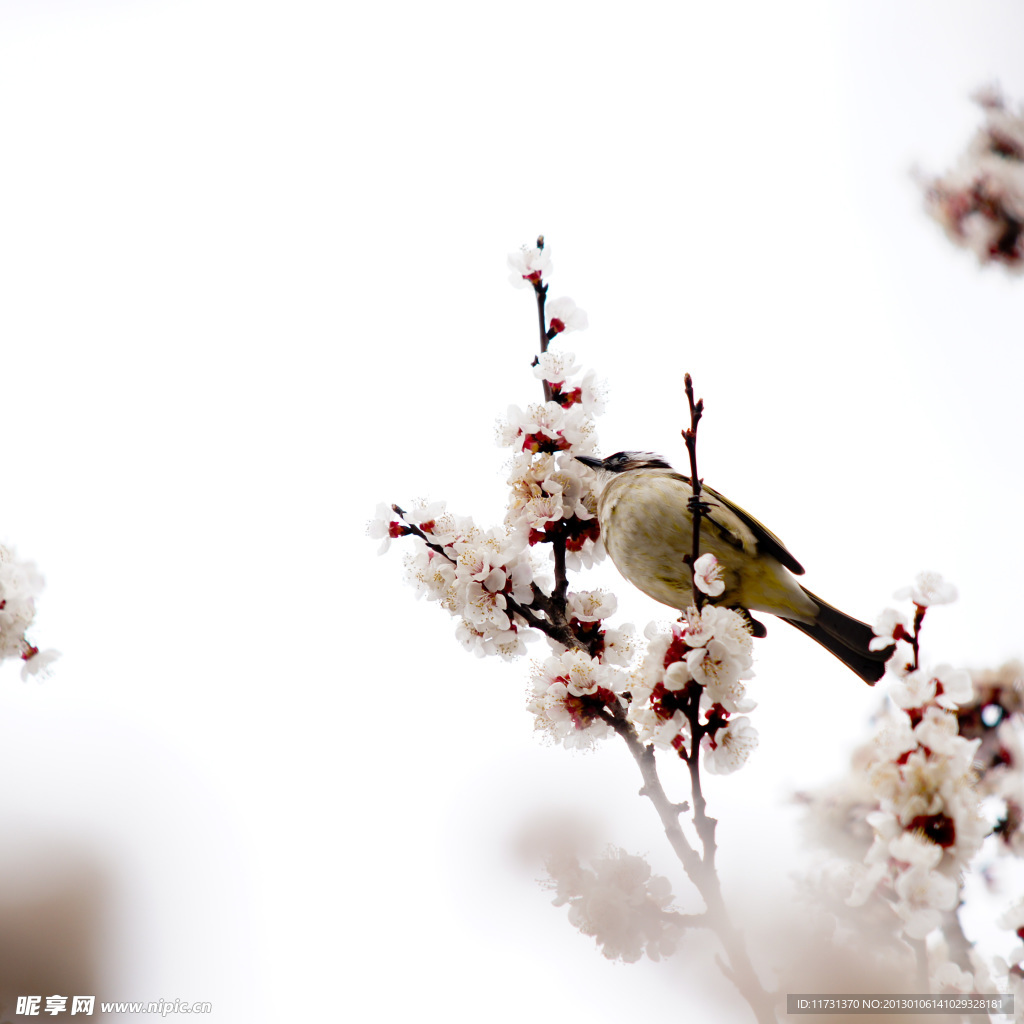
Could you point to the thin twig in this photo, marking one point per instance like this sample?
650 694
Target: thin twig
704 824
555 625
415 531
695 505
540 289
915 640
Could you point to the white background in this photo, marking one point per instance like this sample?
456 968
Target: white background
252 261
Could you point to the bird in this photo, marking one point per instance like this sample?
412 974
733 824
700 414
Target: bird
644 512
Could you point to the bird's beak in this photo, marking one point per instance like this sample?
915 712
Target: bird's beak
588 460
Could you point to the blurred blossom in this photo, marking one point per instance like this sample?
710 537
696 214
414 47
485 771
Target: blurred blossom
928 589
980 202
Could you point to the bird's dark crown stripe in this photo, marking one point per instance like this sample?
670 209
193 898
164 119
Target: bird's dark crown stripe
622 461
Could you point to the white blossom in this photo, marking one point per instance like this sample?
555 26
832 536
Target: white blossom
914 850
38 665
619 645
923 894
677 676
956 685
591 605
716 665
529 264
506 644
483 608
593 394
380 526
913 690
724 625
894 738
20 584
947 976
888 623
938 731
707 575
731 746
555 367
546 427
1012 919
929 588
565 315
865 880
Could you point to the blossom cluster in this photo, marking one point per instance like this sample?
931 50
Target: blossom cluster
995 717
479 576
908 819
551 500
501 583
980 203
20 585
947 761
706 659
619 902
574 695
927 822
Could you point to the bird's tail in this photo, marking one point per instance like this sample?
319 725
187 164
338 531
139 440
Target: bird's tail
847 638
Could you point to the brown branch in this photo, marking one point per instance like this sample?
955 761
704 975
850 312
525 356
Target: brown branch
561 632
655 792
704 824
561 579
701 871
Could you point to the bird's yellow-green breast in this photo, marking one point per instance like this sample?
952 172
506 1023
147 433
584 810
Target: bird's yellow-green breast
648 531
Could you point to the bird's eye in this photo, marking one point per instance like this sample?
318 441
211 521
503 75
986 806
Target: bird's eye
621 458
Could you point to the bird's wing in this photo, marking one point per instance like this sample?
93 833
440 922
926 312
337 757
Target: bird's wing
766 540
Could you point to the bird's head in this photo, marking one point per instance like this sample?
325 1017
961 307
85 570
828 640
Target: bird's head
623 462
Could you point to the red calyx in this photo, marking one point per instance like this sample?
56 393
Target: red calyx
677 651
566 398
573 531
717 718
665 702
939 828
542 443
